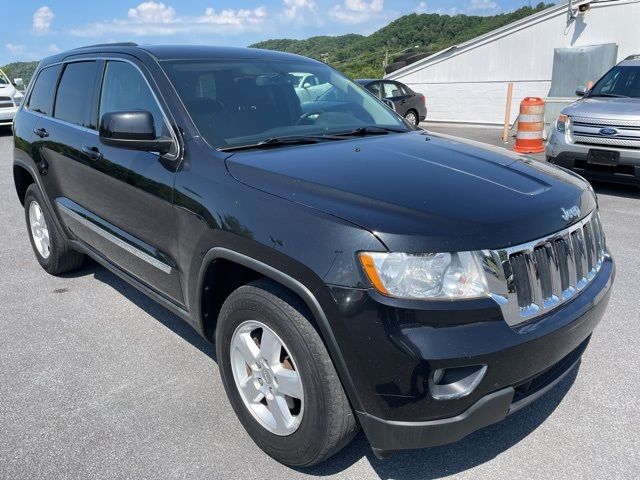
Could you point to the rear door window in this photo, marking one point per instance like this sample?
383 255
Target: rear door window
391 90
75 93
41 97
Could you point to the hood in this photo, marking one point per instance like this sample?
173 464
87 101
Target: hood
605 107
10 91
420 191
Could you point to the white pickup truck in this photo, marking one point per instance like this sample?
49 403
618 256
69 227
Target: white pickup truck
10 98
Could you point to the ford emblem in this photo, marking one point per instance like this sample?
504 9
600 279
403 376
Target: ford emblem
608 131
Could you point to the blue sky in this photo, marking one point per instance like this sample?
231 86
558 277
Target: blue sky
34 29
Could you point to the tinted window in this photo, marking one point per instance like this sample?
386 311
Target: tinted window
42 93
125 89
619 82
75 93
374 88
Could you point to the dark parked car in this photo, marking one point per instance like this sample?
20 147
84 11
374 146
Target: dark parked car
354 271
406 102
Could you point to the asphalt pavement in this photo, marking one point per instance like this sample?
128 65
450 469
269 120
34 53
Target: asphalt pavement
98 381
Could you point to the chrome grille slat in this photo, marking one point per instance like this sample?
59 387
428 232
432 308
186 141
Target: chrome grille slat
532 279
606 121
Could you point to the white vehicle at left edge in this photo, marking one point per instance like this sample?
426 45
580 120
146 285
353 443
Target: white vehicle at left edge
10 98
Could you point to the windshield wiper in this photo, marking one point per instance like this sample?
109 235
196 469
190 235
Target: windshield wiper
368 130
614 95
280 141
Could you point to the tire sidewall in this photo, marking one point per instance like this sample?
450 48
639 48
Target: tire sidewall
33 194
301 446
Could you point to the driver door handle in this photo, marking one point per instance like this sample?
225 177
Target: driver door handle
92 152
41 132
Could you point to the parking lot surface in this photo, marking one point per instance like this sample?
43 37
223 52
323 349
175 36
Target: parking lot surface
98 381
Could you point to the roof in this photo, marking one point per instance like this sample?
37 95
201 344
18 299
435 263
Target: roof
494 34
364 81
180 52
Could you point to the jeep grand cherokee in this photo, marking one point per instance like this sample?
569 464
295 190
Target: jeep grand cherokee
354 270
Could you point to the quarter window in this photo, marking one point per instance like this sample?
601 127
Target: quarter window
42 93
75 93
124 89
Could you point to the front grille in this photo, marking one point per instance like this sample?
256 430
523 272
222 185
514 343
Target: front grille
545 273
588 131
6 102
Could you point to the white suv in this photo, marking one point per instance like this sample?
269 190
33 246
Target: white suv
10 98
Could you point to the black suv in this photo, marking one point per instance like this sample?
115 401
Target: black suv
354 271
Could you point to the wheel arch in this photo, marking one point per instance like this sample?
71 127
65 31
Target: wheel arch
251 269
22 178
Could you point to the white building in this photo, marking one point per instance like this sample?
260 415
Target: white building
468 82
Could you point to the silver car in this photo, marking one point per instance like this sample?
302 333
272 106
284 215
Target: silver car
598 136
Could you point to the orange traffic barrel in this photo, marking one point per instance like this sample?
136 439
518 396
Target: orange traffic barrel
530 126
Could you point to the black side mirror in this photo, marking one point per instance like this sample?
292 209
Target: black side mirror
133 130
581 91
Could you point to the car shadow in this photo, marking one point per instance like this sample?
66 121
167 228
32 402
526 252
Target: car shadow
151 307
5 131
627 191
476 449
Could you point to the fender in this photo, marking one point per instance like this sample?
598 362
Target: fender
303 292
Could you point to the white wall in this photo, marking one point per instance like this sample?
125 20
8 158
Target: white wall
470 85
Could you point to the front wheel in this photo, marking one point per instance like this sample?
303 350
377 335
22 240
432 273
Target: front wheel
412 117
279 377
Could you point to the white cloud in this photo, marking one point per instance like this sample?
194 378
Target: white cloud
483 6
152 12
357 11
53 48
42 19
16 48
421 8
303 12
156 18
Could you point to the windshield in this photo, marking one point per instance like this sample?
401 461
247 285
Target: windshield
243 102
618 82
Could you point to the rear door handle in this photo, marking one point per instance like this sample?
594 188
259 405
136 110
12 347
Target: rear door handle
41 132
92 152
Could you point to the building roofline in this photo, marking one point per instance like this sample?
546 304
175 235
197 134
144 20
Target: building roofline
498 33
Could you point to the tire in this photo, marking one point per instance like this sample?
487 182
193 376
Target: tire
412 117
327 422
55 256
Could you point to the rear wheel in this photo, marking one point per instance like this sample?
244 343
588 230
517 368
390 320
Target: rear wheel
279 378
51 249
412 117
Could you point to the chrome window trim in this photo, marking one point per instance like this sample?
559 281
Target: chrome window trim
115 240
497 267
165 117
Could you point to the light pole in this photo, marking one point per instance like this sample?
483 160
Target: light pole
385 64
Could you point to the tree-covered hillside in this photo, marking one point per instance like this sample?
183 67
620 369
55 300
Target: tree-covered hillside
362 56
22 70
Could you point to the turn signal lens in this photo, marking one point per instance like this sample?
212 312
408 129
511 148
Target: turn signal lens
561 123
425 276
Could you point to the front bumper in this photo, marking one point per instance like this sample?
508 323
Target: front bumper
573 156
395 351
7 114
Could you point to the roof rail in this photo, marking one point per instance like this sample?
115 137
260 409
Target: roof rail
114 44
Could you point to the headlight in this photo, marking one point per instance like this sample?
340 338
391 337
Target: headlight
432 276
561 123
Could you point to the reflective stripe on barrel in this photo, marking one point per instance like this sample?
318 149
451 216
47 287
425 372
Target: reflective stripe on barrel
530 126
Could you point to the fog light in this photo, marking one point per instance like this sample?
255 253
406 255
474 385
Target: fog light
456 382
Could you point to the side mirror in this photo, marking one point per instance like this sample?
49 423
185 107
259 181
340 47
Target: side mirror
18 82
132 130
306 85
581 91
389 104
